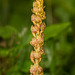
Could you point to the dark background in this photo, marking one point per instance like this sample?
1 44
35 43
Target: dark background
15 35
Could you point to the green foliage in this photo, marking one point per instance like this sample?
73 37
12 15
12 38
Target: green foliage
15 36
54 30
7 31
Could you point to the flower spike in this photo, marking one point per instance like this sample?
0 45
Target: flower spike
38 37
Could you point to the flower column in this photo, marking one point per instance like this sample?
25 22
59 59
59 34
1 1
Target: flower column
37 41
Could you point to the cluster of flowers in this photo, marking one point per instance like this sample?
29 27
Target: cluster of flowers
37 41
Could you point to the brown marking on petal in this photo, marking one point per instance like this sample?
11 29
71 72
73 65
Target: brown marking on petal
42 51
43 17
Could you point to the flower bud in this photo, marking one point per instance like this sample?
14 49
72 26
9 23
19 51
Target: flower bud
40 40
35 10
32 57
33 17
35 4
33 69
42 26
40 10
38 2
40 70
37 55
34 29
38 19
33 42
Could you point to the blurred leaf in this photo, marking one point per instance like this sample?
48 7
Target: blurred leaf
67 5
50 32
26 66
7 31
14 69
73 70
54 30
17 21
63 17
46 74
4 53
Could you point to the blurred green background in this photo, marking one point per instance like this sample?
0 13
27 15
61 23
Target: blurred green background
15 35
